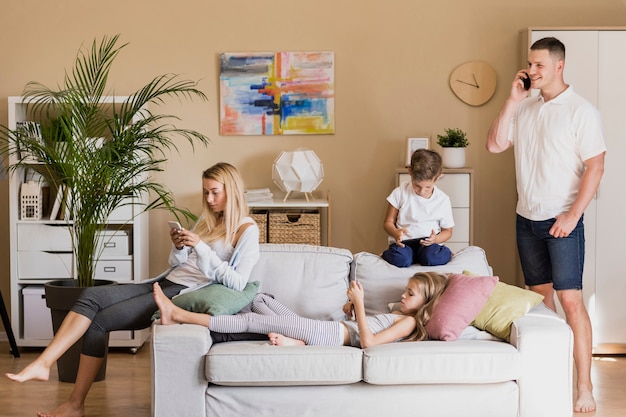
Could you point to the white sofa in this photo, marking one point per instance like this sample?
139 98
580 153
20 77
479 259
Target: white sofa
529 377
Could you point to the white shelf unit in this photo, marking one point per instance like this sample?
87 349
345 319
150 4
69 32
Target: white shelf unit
40 251
458 184
594 66
319 204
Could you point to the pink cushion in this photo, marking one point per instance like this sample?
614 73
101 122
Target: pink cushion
459 304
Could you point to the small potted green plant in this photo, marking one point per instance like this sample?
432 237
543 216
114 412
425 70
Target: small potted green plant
453 142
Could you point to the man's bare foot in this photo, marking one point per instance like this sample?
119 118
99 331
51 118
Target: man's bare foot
280 340
166 307
65 410
585 402
34 371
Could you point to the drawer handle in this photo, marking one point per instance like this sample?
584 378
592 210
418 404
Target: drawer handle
293 218
109 269
109 245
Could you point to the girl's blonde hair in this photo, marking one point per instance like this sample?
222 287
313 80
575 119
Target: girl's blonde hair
431 285
209 228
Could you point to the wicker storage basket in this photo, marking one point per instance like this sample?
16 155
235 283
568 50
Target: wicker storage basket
294 226
260 217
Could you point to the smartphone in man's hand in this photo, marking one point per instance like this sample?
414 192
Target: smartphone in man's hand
526 81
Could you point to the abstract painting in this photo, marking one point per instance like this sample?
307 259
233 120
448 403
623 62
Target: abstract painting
277 93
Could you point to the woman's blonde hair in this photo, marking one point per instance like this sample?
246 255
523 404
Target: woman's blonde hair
431 285
209 228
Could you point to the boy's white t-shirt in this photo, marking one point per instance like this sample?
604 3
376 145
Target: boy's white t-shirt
419 215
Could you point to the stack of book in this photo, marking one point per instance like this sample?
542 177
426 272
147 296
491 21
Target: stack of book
256 195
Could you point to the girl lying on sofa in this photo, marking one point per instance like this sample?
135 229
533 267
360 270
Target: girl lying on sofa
285 327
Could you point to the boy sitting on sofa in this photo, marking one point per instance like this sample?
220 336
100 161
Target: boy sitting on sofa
419 216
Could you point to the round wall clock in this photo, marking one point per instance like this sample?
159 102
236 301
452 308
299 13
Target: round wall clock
473 82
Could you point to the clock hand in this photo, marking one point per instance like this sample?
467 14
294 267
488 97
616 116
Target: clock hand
464 82
475 82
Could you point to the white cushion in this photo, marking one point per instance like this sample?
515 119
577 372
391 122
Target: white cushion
256 363
433 362
384 283
310 280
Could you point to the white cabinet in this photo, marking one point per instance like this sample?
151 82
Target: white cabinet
41 250
458 185
594 66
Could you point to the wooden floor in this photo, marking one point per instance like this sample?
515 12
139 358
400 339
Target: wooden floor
124 392
126 389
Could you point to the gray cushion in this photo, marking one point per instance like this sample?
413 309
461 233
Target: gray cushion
253 363
316 283
436 362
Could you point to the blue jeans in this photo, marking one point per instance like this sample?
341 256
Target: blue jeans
546 259
415 253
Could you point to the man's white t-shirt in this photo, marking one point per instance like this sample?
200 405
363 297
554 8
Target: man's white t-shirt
551 142
419 215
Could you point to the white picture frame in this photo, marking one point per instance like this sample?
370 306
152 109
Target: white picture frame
413 144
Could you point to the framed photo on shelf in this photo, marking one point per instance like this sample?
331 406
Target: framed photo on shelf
413 144
28 130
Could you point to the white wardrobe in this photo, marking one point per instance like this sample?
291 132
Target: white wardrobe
595 65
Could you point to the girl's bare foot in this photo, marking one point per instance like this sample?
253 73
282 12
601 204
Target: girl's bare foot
65 410
34 371
280 340
166 307
585 402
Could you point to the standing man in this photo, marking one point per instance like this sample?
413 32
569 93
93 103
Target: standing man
559 160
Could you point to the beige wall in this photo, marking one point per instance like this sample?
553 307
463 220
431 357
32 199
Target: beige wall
392 63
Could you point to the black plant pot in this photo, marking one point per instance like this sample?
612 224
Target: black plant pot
60 297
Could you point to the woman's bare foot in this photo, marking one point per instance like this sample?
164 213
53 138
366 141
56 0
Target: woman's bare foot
65 410
585 402
280 340
36 370
166 307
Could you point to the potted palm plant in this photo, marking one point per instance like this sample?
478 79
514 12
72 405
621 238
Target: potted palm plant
453 142
109 150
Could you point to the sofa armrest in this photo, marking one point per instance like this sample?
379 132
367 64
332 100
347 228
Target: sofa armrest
545 343
178 363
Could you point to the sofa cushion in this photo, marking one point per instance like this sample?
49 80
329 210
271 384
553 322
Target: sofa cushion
215 299
435 362
469 333
384 283
316 283
254 363
506 304
459 304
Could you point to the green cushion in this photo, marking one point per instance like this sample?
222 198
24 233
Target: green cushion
506 304
215 299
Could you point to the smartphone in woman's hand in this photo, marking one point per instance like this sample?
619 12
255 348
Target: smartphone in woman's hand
175 225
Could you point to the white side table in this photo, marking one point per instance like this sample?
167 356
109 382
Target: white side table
280 204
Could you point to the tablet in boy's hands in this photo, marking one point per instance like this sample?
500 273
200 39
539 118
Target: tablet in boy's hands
175 225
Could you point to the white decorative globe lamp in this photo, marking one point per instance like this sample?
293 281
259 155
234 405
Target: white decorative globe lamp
300 170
